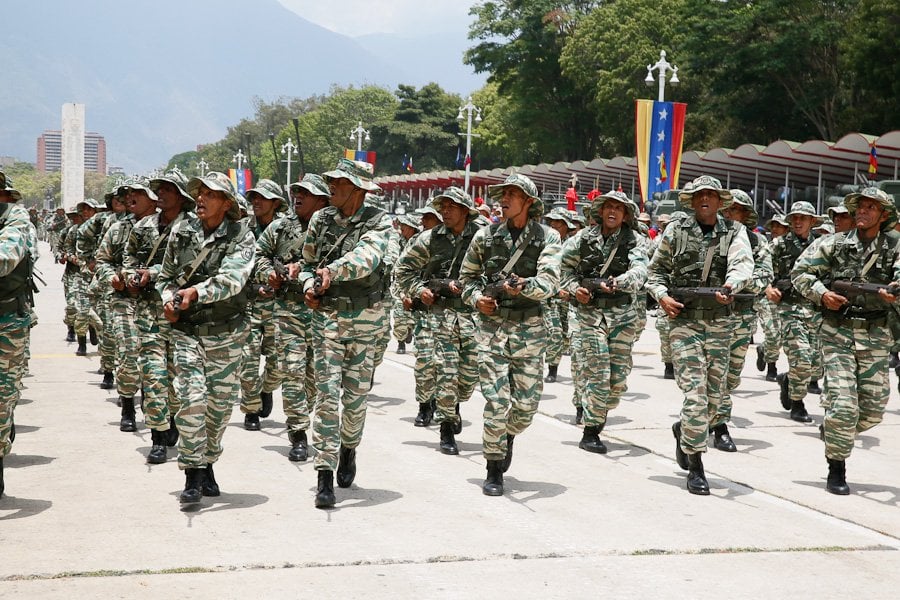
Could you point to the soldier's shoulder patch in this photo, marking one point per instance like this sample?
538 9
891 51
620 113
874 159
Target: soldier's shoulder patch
247 254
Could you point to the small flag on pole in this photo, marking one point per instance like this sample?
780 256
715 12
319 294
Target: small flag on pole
468 161
873 160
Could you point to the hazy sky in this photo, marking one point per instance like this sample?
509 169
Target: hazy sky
360 17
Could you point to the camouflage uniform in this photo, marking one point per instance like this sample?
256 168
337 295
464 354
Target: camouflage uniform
608 321
15 313
855 338
437 254
511 342
208 337
351 318
71 277
86 242
701 332
556 310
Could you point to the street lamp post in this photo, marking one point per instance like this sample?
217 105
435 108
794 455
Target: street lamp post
469 108
357 133
239 159
288 148
662 66
203 166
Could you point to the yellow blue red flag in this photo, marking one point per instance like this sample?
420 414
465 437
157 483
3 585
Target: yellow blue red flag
659 133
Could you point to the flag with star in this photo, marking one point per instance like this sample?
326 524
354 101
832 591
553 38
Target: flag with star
659 132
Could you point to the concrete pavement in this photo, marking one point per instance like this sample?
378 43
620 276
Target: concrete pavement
85 516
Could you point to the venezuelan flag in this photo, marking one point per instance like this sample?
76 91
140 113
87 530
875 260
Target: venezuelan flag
349 154
659 133
241 179
873 160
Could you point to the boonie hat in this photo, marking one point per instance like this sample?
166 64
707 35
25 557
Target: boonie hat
312 183
219 182
456 195
704 182
357 172
269 190
523 183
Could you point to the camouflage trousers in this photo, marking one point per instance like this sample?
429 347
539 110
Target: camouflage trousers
85 315
605 347
771 326
455 361
577 368
207 384
640 307
799 323
404 321
107 348
69 289
122 317
424 369
663 327
295 363
510 357
700 349
743 323
556 317
260 343
14 333
858 384
894 327
344 369
381 342
157 364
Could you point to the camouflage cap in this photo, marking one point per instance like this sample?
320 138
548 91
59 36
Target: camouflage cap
357 172
243 205
456 195
95 204
704 182
678 215
826 226
269 190
523 183
851 201
429 210
178 179
630 207
803 207
411 220
219 182
14 193
561 214
312 183
579 218
142 186
742 198
2 179
779 219
840 209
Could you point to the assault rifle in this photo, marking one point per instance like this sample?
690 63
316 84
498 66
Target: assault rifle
856 288
686 294
593 285
441 287
317 286
176 302
280 269
783 285
135 280
495 288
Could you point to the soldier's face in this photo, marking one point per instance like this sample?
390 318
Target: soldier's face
454 215
842 222
429 222
514 203
169 196
305 204
5 197
738 213
612 214
869 215
801 224
212 205
263 208
342 192
406 231
140 203
87 212
706 204
559 227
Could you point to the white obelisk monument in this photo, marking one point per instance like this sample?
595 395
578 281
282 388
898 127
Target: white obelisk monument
72 155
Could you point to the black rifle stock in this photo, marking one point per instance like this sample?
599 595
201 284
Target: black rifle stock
687 294
856 288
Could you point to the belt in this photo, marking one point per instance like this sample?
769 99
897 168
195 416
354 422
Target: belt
606 302
207 329
341 303
856 323
292 296
705 314
512 314
449 304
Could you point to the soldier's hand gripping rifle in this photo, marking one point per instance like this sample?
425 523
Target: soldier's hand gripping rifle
177 299
495 288
443 287
851 289
599 285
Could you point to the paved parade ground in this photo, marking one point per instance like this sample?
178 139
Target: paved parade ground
84 516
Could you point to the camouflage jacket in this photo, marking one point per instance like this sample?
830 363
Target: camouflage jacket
111 251
88 239
15 231
686 239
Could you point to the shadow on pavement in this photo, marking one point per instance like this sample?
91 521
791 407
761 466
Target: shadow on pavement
882 494
225 501
357 497
21 508
16 461
534 490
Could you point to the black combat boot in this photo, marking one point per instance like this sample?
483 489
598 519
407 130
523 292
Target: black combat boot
157 454
426 412
669 372
107 383
493 484
448 442
251 421
171 433
785 395
760 359
771 372
696 478
127 421
798 412
722 439
2 485
299 450
680 457
813 387
837 477
579 415
401 347
506 462
92 333
325 489
70 334
551 373
209 487
82 346
590 440
266 398
193 482
457 427
346 471
12 430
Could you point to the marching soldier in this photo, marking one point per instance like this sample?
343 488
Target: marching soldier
295 336
855 336
344 250
519 258
71 274
767 354
557 309
436 256
203 282
615 256
707 251
87 321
